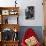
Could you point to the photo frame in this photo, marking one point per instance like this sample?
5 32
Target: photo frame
13 20
10 20
29 12
5 20
13 12
5 12
9 34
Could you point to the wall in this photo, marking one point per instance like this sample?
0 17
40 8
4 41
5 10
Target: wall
38 21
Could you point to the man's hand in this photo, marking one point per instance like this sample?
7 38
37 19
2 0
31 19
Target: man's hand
31 41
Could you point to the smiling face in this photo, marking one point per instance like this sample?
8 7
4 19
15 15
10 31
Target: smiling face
31 41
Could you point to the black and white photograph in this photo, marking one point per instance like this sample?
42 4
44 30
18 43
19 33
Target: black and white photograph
29 12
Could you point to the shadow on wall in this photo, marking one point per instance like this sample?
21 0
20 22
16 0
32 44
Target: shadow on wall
37 29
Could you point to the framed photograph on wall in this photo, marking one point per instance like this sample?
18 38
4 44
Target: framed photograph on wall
13 20
5 12
29 12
